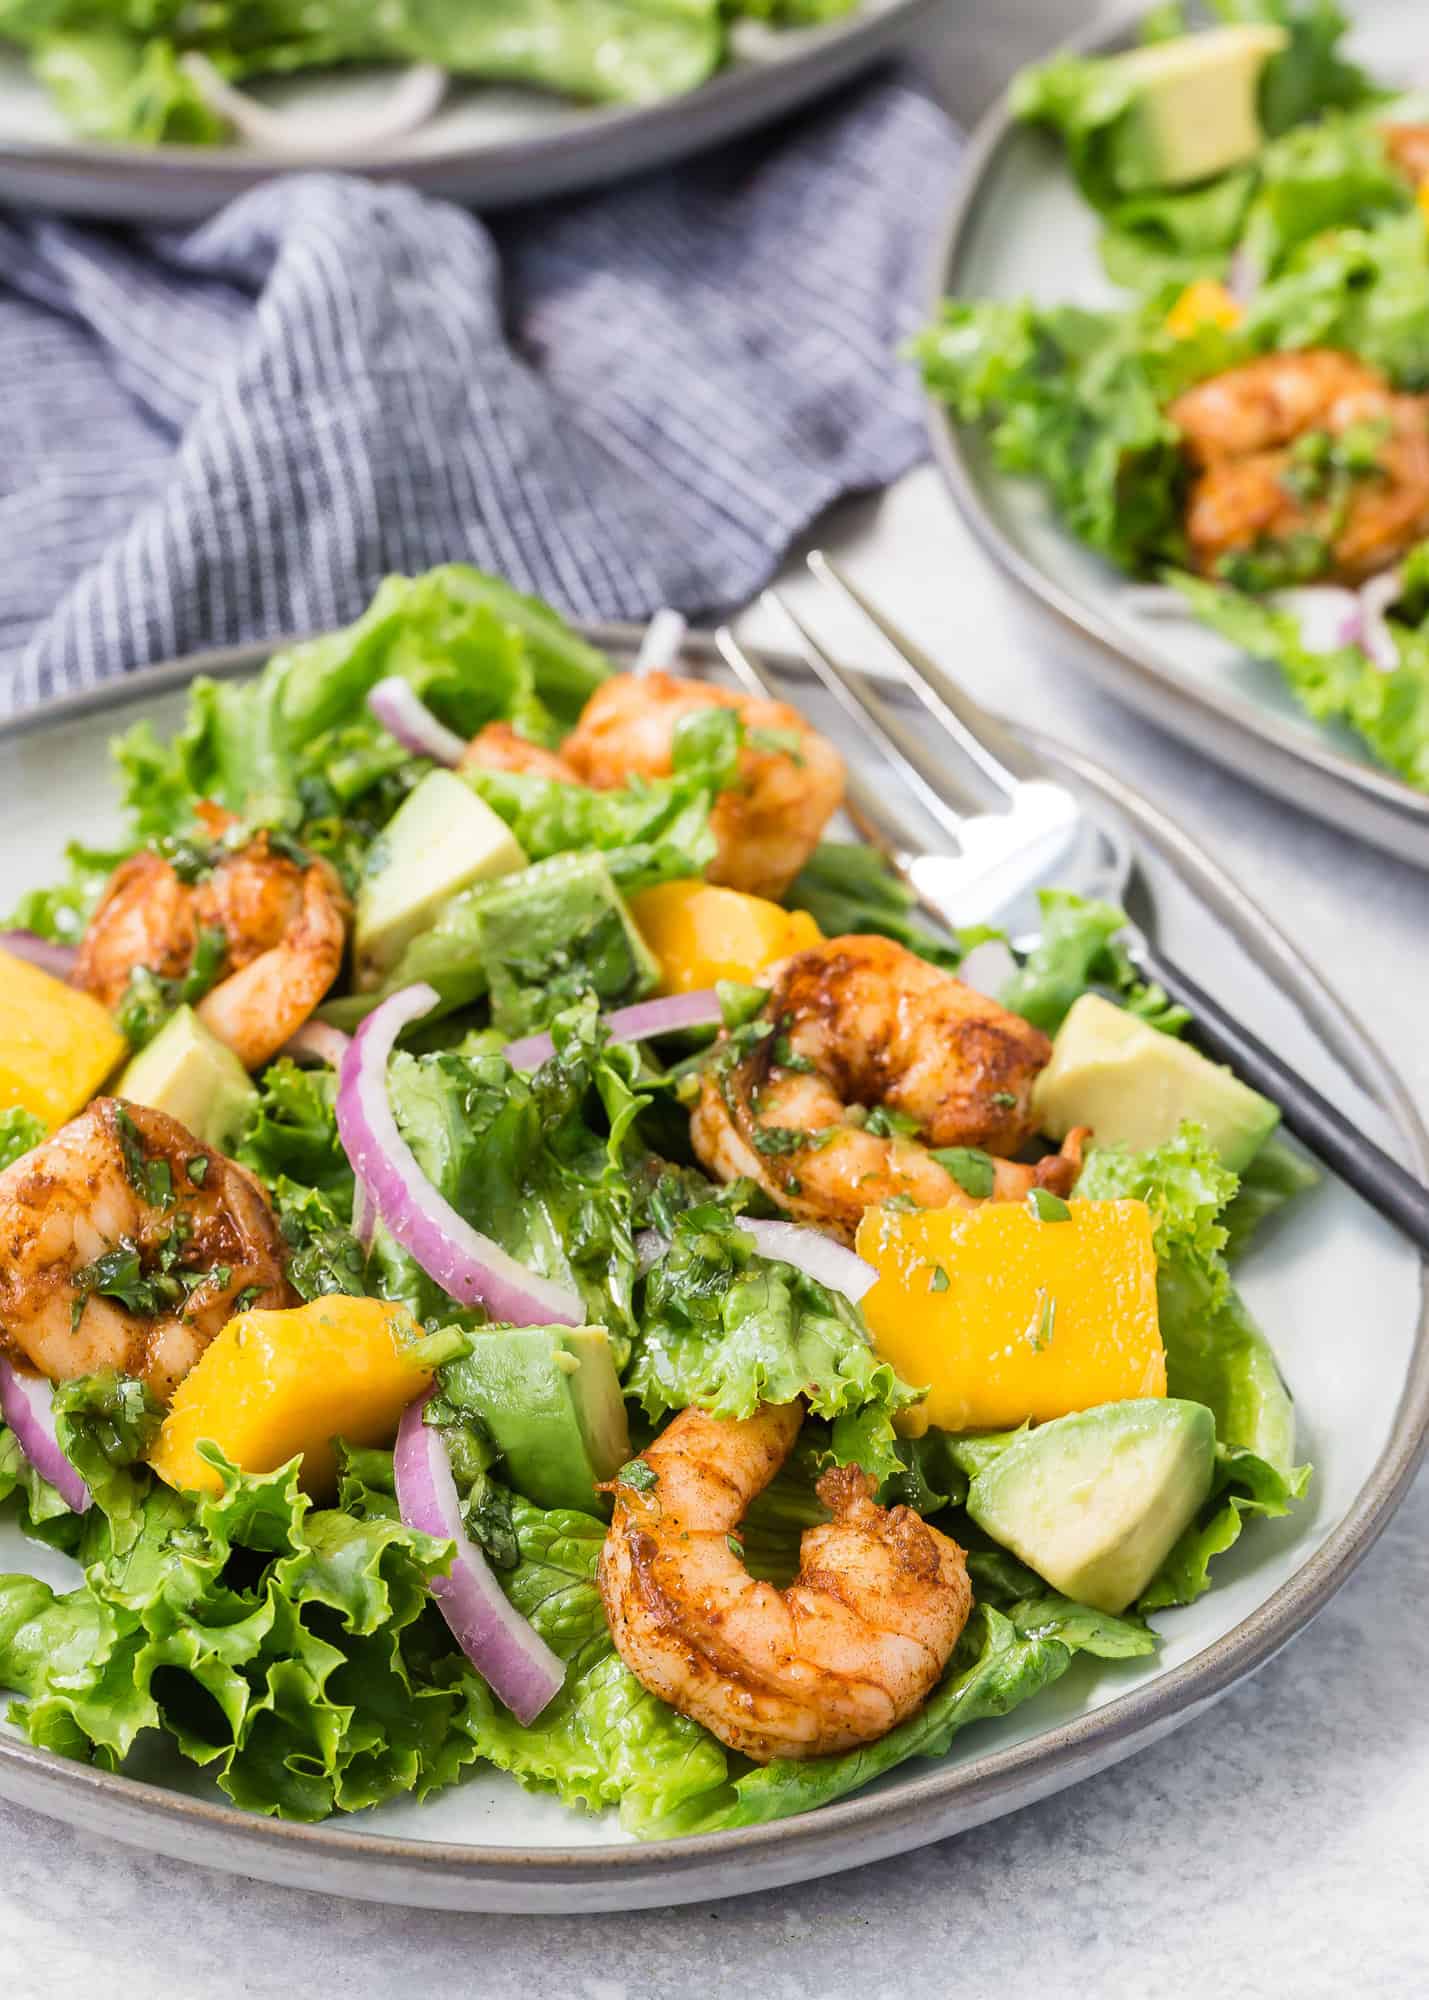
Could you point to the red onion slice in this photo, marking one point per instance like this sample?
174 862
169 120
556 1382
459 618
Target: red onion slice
509 1654
400 709
26 1404
43 952
1328 617
631 1024
660 648
1375 598
463 1262
808 1250
414 96
320 1041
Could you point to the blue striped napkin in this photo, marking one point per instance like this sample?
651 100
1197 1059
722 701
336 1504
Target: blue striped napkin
630 400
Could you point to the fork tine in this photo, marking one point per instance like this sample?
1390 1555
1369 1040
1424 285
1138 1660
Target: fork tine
978 735
859 703
865 810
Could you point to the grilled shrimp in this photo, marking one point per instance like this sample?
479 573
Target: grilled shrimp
1238 430
1408 147
790 778
498 747
850 1649
283 925
125 1243
857 1024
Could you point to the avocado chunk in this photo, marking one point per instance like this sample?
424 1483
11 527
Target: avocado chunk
1134 1085
440 840
196 1078
550 1397
555 931
1193 109
1094 1502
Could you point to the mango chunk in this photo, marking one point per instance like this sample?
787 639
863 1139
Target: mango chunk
1007 1317
1204 302
56 1045
276 1383
700 933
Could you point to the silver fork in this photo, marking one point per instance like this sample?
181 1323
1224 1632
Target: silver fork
1041 834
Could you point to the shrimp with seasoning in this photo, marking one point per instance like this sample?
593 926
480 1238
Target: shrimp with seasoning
860 1024
1251 495
281 924
499 747
127 1244
850 1649
791 779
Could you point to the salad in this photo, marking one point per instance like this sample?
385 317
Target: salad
1248 430
151 72
517 1249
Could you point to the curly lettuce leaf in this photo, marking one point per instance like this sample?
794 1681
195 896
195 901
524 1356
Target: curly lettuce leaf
1077 949
1388 711
291 1651
20 1132
1216 1354
726 1329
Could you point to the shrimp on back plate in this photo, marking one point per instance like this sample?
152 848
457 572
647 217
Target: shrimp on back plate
126 1244
851 1648
1264 439
499 747
791 779
281 923
858 1026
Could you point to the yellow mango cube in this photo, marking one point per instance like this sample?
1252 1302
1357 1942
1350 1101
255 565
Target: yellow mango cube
272 1384
1204 302
1006 1317
57 1045
700 933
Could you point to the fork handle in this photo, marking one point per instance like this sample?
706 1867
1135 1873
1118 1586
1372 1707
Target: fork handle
1368 1169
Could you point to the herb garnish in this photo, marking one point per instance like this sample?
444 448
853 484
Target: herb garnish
973 1171
1048 1207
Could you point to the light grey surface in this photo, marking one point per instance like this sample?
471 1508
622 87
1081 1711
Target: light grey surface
1277 1845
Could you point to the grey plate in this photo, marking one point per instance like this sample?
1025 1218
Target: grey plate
489 147
1019 228
1364 1417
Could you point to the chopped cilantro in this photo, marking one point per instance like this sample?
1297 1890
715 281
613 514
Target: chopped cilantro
1048 1207
636 1474
886 1123
973 1171
938 1279
197 1169
1041 1331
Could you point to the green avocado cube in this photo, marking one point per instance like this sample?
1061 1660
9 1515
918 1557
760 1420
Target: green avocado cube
1095 1502
193 1076
551 1399
1133 1086
440 840
558 930
1194 106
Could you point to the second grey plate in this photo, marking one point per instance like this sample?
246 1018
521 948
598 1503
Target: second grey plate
1021 230
488 146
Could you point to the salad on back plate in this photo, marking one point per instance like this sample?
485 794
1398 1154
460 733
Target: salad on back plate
152 72
517 1250
1249 431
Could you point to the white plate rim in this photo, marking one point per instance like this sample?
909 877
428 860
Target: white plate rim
864 1827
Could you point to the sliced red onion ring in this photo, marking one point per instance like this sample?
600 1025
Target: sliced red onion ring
400 709
463 1262
320 1041
414 96
1375 598
660 648
509 1654
1328 616
43 952
1243 276
26 1404
631 1024
808 1250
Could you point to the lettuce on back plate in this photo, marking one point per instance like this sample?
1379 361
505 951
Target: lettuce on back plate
1215 1352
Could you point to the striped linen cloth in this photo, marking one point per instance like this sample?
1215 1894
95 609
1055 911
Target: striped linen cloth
634 399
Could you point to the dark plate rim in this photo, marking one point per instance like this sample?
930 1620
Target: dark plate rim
826 1839
1125 660
229 168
